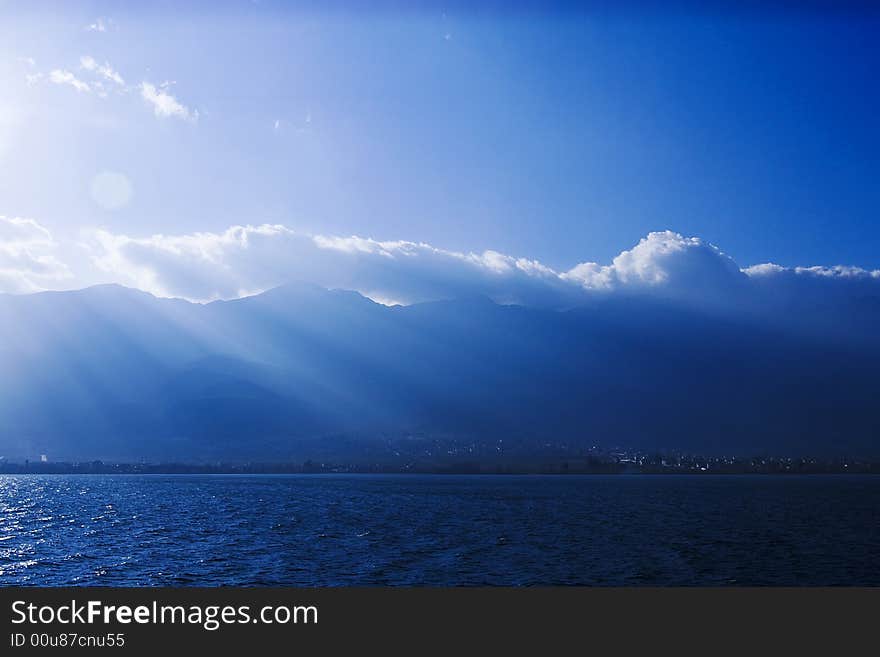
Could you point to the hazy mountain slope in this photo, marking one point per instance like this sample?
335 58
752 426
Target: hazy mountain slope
117 374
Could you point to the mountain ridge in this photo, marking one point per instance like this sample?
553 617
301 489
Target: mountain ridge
115 373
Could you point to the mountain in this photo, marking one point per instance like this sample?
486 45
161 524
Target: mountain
117 374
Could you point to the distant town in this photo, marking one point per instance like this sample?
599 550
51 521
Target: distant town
591 461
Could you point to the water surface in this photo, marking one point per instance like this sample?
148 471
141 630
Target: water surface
325 530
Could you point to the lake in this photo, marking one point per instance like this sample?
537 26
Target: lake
329 530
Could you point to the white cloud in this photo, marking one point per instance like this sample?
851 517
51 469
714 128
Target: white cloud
22 232
815 273
106 71
246 259
164 104
99 25
839 271
204 266
765 269
102 78
665 263
61 76
27 259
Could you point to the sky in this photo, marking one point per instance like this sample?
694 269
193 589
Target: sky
211 151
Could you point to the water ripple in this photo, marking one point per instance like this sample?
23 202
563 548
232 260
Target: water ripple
412 530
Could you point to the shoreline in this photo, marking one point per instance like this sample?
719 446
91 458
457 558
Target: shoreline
433 473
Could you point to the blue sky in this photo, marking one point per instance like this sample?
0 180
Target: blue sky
556 135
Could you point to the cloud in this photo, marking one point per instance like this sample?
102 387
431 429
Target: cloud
99 25
836 272
27 259
102 78
298 126
164 104
104 70
23 232
827 294
34 76
247 259
667 264
61 76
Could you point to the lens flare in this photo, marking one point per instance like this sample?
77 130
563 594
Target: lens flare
111 190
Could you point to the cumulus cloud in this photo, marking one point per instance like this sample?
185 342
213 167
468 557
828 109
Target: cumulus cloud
164 104
667 263
27 257
64 77
247 259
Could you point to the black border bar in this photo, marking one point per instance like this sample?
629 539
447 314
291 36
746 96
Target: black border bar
455 620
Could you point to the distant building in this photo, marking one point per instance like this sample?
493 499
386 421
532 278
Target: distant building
44 458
